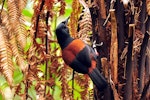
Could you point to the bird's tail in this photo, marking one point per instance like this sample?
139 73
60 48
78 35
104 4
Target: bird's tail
98 79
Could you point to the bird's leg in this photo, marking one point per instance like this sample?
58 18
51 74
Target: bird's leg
94 45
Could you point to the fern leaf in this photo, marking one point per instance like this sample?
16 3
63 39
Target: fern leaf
11 22
85 25
21 4
63 5
4 17
19 57
13 13
6 64
15 20
74 17
21 35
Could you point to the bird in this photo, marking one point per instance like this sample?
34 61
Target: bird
79 56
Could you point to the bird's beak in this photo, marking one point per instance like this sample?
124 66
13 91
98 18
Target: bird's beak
66 21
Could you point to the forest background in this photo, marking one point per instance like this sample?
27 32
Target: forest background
31 66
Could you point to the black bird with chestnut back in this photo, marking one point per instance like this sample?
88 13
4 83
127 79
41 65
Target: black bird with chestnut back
79 56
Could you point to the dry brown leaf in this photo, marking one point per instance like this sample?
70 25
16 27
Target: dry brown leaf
6 64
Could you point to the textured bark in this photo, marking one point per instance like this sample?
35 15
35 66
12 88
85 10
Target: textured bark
129 67
145 90
142 16
121 24
142 58
98 14
101 16
114 47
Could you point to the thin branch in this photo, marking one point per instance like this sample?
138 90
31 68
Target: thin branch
47 52
73 83
38 18
112 3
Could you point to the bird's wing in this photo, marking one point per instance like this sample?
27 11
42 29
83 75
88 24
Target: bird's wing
84 56
79 66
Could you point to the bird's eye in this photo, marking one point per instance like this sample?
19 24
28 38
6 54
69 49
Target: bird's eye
64 27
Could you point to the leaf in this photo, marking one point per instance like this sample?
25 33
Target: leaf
6 65
18 76
3 83
27 12
22 4
85 24
28 44
32 92
74 17
17 33
16 23
19 57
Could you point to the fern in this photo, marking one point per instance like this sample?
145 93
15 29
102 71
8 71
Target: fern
21 4
74 17
6 65
85 24
15 20
62 8
17 33
19 57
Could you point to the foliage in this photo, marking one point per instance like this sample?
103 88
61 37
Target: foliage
31 66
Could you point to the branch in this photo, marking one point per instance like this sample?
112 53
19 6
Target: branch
38 18
47 51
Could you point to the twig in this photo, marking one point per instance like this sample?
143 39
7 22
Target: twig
116 96
112 3
26 82
38 18
73 84
47 49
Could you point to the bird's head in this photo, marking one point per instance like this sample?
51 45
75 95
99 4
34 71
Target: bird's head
62 31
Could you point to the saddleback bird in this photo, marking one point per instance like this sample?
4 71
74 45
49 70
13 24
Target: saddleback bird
79 56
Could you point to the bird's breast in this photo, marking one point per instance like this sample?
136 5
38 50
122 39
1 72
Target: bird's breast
70 52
